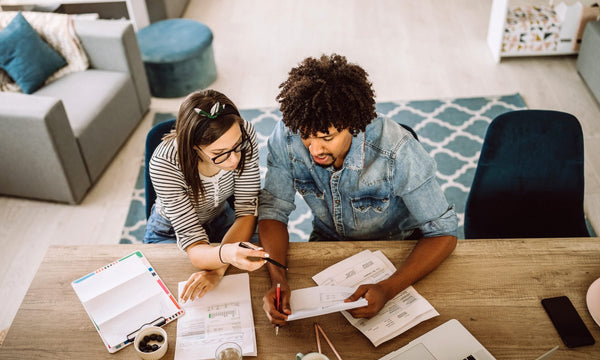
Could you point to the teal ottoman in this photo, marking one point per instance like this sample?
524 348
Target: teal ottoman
178 57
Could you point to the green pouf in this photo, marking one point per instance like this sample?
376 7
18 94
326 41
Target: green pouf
178 57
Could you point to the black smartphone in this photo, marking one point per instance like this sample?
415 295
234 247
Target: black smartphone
567 322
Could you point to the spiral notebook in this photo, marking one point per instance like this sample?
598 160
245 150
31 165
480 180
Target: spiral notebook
124 296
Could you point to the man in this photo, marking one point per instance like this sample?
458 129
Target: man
364 177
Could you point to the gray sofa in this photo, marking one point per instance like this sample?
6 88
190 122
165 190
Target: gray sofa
56 142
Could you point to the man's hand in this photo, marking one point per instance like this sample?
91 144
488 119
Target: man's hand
270 307
376 297
201 282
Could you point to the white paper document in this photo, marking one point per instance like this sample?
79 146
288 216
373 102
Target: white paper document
320 300
401 313
224 314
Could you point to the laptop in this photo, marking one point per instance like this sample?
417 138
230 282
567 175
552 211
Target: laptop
449 341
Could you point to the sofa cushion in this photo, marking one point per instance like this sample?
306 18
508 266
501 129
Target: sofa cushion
25 56
59 32
102 109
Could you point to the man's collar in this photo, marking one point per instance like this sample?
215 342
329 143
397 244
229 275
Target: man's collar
355 158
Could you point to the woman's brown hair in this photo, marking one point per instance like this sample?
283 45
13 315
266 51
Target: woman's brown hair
194 129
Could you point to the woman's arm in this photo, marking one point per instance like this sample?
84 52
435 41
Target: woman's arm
205 256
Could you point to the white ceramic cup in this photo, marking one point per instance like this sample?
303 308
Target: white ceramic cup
228 351
163 345
311 356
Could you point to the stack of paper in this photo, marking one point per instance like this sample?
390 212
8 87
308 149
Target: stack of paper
224 314
401 313
320 300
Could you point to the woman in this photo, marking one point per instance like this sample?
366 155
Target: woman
197 170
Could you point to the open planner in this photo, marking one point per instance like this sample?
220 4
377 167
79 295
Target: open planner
124 296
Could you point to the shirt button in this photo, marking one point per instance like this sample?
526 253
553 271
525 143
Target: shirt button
337 201
362 207
379 208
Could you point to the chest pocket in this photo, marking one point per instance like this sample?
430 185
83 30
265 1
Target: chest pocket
370 212
314 197
308 189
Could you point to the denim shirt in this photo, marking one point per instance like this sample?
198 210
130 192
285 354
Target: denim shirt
385 189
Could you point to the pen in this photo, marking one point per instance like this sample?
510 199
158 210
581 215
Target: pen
246 246
278 304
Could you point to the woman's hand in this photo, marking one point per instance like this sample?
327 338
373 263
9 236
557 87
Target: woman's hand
239 256
201 282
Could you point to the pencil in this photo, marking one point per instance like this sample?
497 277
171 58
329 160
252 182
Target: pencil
329 342
246 246
317 336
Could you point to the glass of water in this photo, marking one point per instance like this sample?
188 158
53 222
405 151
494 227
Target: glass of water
228 351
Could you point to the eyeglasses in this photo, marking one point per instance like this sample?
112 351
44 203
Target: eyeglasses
221 158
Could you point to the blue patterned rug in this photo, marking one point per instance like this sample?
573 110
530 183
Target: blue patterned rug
451 130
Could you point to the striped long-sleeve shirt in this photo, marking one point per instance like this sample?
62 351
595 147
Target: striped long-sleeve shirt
174 198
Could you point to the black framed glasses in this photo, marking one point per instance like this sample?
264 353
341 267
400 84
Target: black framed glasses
221 158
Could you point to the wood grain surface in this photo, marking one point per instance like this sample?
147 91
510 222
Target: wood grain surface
493 287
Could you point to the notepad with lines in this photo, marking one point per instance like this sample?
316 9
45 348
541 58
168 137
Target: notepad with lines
123 296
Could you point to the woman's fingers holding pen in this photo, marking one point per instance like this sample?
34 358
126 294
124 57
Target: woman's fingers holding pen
246 256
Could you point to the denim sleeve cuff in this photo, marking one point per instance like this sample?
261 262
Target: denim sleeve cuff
445 225
272 208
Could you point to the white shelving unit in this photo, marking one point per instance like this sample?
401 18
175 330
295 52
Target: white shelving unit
569 15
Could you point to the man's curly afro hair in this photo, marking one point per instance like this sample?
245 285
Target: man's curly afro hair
325 92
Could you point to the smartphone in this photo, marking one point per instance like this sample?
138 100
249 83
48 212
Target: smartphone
567 322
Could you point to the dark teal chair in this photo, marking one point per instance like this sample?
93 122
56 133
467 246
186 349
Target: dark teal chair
414 134
152 140
529 181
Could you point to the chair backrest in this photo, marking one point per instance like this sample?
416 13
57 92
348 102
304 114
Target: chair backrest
414 134
529 180
152 140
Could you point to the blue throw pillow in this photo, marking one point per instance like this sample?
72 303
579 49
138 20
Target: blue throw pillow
27 59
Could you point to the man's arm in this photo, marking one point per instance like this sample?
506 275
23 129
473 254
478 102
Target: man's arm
276 202
274 238
415 182
425 257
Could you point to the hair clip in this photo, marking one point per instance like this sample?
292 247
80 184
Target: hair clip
214 111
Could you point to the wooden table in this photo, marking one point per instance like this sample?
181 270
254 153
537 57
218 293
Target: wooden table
493 287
